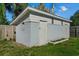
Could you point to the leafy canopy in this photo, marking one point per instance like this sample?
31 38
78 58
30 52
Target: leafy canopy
75 19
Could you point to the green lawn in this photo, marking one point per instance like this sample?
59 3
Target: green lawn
69 48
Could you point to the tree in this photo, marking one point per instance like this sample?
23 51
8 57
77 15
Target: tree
41 6
3 19
75 19
15 8
18 8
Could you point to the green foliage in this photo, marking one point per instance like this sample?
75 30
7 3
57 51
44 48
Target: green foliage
2 15
68 48
18 8
15 8
75 19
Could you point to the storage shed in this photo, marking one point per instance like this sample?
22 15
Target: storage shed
35 27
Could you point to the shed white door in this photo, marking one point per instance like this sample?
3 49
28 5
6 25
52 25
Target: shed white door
43 33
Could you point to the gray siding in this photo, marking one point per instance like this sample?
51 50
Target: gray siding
56 32
34 34
23 33
38 18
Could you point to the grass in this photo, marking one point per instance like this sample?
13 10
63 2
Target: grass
68 48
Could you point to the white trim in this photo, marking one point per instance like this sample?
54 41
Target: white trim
57 42
42 12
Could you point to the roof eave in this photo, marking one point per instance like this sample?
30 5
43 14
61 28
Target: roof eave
18 17
32 9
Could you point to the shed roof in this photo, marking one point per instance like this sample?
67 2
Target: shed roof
38 11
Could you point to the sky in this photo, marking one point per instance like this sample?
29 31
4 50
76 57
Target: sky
9 15
65 10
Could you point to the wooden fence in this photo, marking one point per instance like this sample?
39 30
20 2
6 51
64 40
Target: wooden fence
74 31
7 32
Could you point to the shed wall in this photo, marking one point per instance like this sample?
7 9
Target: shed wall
23 33
66 23
27 32
56 32
42 28
58 22
34 34
38 18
